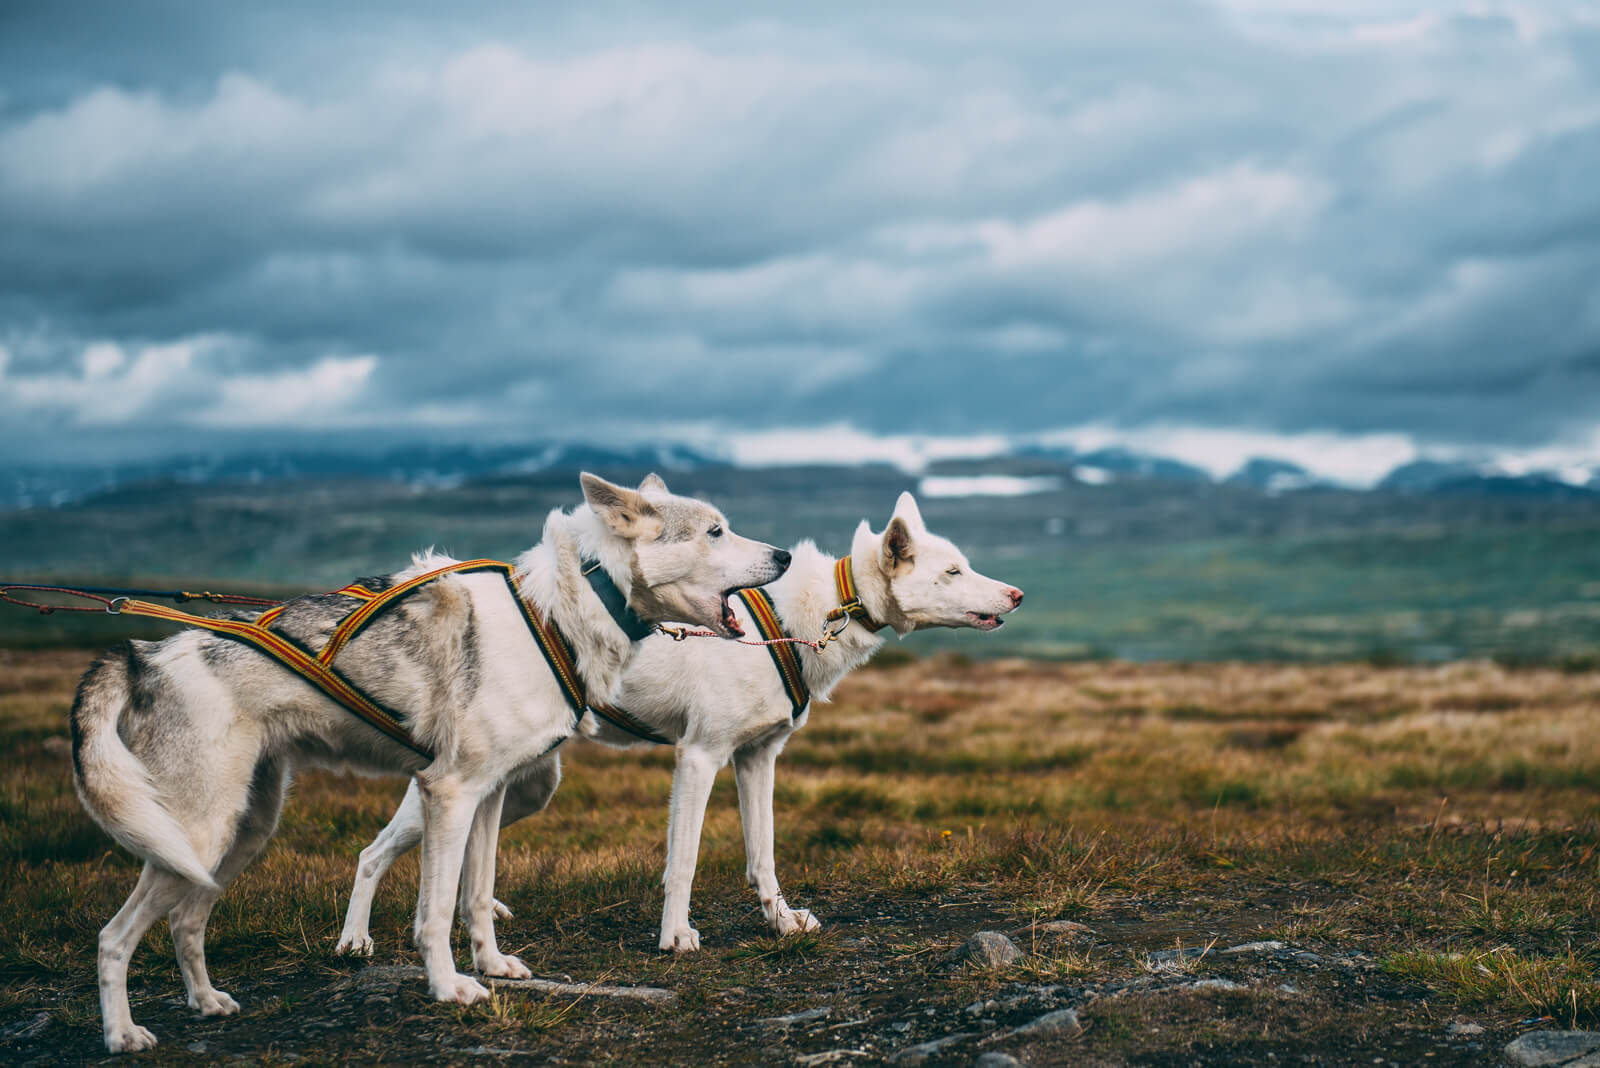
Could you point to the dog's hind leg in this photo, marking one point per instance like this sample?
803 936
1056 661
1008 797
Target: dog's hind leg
155 893
189 916
530 792
691 789
397 839
448 808
477 892
755 769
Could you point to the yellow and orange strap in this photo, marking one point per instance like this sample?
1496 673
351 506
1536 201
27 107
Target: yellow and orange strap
318 670
844 582
782 653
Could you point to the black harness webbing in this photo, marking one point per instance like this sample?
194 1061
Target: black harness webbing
318 670
783 658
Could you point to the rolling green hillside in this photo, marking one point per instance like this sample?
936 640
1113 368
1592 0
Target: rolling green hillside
1139 571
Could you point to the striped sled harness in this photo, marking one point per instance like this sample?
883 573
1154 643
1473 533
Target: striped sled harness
783 654
317 668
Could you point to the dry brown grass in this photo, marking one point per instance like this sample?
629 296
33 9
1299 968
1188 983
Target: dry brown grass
1422 816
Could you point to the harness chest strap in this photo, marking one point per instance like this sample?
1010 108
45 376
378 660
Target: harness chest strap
783 654
625 721
783 657
317 669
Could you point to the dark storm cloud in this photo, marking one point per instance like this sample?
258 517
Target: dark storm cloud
506 221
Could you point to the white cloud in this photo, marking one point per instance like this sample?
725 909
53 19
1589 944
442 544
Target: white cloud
112 387
1209 214
840 443
1275 213
189 382
319 395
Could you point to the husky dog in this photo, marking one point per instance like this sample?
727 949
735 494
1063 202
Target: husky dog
720 700
183 748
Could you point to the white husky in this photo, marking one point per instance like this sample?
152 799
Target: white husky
183 747
719 701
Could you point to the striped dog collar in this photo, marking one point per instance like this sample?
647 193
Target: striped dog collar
844 581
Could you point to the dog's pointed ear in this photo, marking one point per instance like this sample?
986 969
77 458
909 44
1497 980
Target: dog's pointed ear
625 511
898 554
653 483
906 508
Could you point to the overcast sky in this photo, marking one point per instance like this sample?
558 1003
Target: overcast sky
1340 223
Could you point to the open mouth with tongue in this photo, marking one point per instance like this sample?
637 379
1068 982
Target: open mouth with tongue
730 622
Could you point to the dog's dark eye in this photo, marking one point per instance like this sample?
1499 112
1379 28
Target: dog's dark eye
715 532
952 570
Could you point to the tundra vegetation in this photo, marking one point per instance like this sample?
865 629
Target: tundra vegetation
1422 841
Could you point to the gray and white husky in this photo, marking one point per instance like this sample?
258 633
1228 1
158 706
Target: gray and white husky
183 748
721 700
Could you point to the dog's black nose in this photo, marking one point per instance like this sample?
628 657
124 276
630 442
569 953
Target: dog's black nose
781 557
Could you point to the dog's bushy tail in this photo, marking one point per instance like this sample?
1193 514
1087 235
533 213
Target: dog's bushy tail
113 784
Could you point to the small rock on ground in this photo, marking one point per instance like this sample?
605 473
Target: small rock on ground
1256 947
1570 1049
1463 1029
988 949
1062 1023
383 979
32 1027
1053 927
1216 984
829 1056
996 1059
795 1017
920 1053
1162 955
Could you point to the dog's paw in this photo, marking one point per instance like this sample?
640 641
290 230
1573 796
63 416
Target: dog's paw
502 966
354 945
213 1003
130 1039
461 989
795 921
682 940
501 912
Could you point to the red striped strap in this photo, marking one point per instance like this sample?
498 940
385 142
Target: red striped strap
553 644
377 603
783 655
319 671
355 590
844 582
296 659
624 720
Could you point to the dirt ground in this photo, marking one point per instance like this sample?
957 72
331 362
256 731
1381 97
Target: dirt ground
1210 865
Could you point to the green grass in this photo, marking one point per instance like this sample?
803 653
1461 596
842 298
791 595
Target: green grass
1564 988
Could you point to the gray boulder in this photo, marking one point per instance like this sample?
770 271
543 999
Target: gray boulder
1570 1049
988 950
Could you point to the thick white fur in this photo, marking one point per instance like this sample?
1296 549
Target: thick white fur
721 701
199 797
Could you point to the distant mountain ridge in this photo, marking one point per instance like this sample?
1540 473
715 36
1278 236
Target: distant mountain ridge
30 486
25 486
1436 476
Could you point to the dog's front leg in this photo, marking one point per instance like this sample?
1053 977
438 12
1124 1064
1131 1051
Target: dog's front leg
691 788
477 891
448 807
756 770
